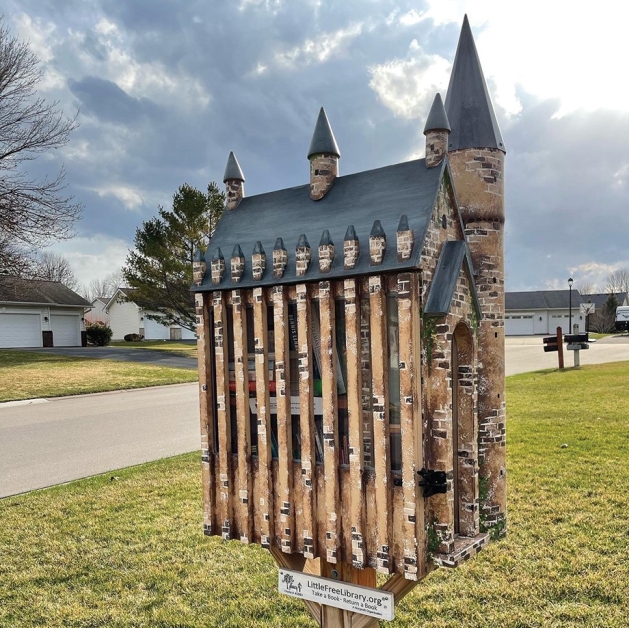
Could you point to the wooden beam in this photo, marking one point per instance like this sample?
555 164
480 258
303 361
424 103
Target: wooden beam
396 584
203 303
380 392
306 420
225 508
284 424
330 423
407 303
355 418
261 352
243 420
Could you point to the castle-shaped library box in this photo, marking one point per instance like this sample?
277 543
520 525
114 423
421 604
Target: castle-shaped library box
351 352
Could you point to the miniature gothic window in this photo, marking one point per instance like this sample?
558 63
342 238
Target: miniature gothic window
393 342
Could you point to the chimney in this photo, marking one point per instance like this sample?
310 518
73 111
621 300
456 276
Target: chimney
437 132
234 181
324 158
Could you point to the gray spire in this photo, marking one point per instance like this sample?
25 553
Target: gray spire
468 104
258 249
323 140
326 240
232 169
437 118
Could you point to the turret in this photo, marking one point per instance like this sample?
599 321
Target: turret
476 154
437 132
324 158
234 181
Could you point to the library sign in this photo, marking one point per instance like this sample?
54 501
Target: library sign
350 597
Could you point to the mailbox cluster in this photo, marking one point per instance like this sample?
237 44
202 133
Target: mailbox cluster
341 346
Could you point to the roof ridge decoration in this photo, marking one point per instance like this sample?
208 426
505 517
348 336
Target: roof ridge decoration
351 248
326 252
323 140
303 255
280 258
237 264
468 104
233 171
437 117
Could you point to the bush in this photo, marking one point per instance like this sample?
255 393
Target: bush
98 333
133 337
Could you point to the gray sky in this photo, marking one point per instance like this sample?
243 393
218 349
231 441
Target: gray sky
166 89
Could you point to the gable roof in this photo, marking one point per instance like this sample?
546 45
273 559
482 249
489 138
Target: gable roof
454 253
468 104
383 194
599 299
129 294
542 300
38 292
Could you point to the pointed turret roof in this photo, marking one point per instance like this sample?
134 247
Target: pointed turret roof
232 169
468 104
437 118
323 140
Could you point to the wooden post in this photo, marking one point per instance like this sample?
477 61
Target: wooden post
224 414
261 352
243 421
560 347
206 405
355 419
284 423
330 422
306 419
381 446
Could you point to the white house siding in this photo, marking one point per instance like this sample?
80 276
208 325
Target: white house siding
124 318
97 313
540 322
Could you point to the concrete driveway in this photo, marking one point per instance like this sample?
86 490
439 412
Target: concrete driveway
145 356
526 353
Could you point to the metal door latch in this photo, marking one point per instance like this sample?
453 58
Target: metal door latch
433 482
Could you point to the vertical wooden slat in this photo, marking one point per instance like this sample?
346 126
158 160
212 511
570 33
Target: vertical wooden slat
381 445
206 405
306 419
261 351
355 417
330 431
284 423
219 305
407 303
241 373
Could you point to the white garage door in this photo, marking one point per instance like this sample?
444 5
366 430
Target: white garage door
519 325
65 331
20 330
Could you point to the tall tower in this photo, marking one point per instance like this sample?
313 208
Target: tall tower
476 152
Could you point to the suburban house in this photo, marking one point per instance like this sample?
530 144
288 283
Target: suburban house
600 299
97 311
129 316
351 343
542 311
36 313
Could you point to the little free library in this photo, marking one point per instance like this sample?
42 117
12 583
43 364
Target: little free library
351 354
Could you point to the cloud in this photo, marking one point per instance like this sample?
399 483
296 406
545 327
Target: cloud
129 197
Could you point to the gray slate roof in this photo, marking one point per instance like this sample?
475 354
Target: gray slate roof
600 298
232 169
437 118
384 194
468 104
323 140
454 253
542 300
38 292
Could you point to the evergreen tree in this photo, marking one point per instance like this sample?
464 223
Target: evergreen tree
160 267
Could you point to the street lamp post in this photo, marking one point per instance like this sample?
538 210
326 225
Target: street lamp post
570 306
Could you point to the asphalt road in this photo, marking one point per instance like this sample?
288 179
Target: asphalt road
145 356
53 441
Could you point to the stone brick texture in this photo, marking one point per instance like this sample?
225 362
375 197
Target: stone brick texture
436 147
324 168
234 193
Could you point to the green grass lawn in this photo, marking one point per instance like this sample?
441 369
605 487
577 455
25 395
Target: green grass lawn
130 551
186 349
25 375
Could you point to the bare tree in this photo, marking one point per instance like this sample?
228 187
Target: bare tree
584 288
51 267
33 212
103 287
618 281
